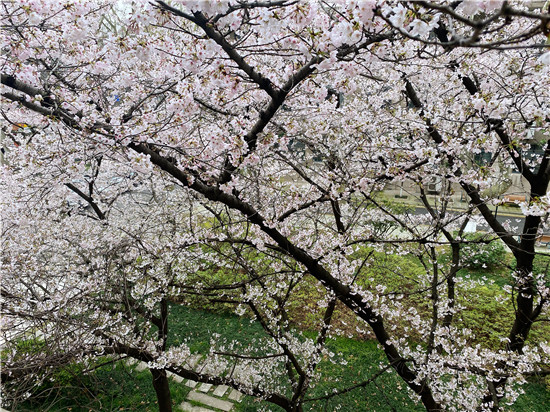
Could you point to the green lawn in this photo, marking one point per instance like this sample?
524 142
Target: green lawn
363 357
114 387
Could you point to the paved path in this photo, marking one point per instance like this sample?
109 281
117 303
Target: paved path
203 397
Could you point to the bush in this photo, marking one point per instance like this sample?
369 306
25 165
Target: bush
480 254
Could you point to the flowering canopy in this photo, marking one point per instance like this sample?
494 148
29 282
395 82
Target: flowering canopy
235 150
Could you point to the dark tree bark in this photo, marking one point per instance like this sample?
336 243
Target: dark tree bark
162 389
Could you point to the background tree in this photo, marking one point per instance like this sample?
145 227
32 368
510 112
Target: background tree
235 151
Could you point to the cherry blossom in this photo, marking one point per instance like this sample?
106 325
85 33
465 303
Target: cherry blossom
191 153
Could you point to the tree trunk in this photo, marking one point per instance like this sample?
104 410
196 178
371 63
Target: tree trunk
162 388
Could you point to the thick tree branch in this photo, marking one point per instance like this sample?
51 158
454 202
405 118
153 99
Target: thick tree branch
200 20
88 199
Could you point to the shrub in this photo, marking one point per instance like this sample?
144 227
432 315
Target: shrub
482 252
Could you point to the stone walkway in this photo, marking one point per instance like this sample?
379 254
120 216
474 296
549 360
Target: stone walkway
203 397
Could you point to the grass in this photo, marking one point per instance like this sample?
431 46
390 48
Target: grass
536 397
387 393
114 387
195 328
363 358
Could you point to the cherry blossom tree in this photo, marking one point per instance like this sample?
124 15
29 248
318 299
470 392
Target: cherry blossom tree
235 152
